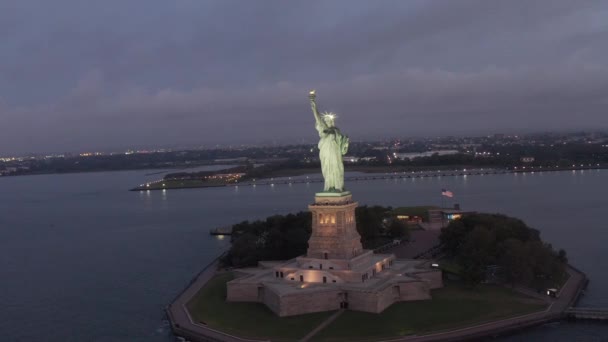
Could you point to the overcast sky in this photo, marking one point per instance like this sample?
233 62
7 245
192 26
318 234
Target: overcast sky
84 75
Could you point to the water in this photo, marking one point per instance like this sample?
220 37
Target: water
85 260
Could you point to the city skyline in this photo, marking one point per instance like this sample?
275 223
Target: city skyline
390 140
81 76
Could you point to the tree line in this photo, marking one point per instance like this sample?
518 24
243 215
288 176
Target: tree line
492 243
282 237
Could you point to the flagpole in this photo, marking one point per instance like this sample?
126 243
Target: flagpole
442 206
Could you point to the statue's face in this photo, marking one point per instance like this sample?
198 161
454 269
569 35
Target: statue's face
329 120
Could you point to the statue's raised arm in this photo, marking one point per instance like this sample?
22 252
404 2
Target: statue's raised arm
320 123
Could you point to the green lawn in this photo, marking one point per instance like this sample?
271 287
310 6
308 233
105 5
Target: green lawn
247 319
451 307
450 266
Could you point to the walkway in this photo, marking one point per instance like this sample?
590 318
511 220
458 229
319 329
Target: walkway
420 242
325 323
588 313
181 322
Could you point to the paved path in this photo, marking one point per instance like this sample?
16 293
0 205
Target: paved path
322 325
421 241
181 322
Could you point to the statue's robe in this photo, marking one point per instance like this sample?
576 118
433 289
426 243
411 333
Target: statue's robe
332 146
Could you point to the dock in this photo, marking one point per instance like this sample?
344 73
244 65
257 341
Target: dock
598 314
154 185
226 230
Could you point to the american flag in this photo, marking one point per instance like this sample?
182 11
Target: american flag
447 193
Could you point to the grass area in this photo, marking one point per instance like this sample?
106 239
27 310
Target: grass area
451 307
450 266
252 320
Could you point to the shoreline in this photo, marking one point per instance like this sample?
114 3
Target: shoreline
183 325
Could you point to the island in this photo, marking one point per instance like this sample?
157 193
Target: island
341 271
496 273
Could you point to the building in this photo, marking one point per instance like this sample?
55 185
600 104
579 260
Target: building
527 159
412 155
443 216
336 271
350 159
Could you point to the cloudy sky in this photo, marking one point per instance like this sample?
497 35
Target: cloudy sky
79 75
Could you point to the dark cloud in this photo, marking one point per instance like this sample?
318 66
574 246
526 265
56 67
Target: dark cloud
77 75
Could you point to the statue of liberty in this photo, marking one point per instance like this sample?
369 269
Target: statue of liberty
332 146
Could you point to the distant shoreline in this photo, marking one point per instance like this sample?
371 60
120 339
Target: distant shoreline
372 173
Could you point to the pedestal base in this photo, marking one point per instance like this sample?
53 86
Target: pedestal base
332 194
287 289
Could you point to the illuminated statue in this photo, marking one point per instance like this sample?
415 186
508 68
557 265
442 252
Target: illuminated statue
332 146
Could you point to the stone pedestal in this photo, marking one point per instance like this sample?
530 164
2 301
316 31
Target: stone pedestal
336 271
334 231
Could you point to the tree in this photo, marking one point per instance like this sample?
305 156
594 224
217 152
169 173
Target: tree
370 221
514 262
476 254
398 229
481 240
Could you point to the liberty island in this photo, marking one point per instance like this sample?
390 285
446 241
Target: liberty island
337 276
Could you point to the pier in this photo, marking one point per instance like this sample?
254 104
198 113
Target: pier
227 230
154 185
421 174
599 314
398 175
